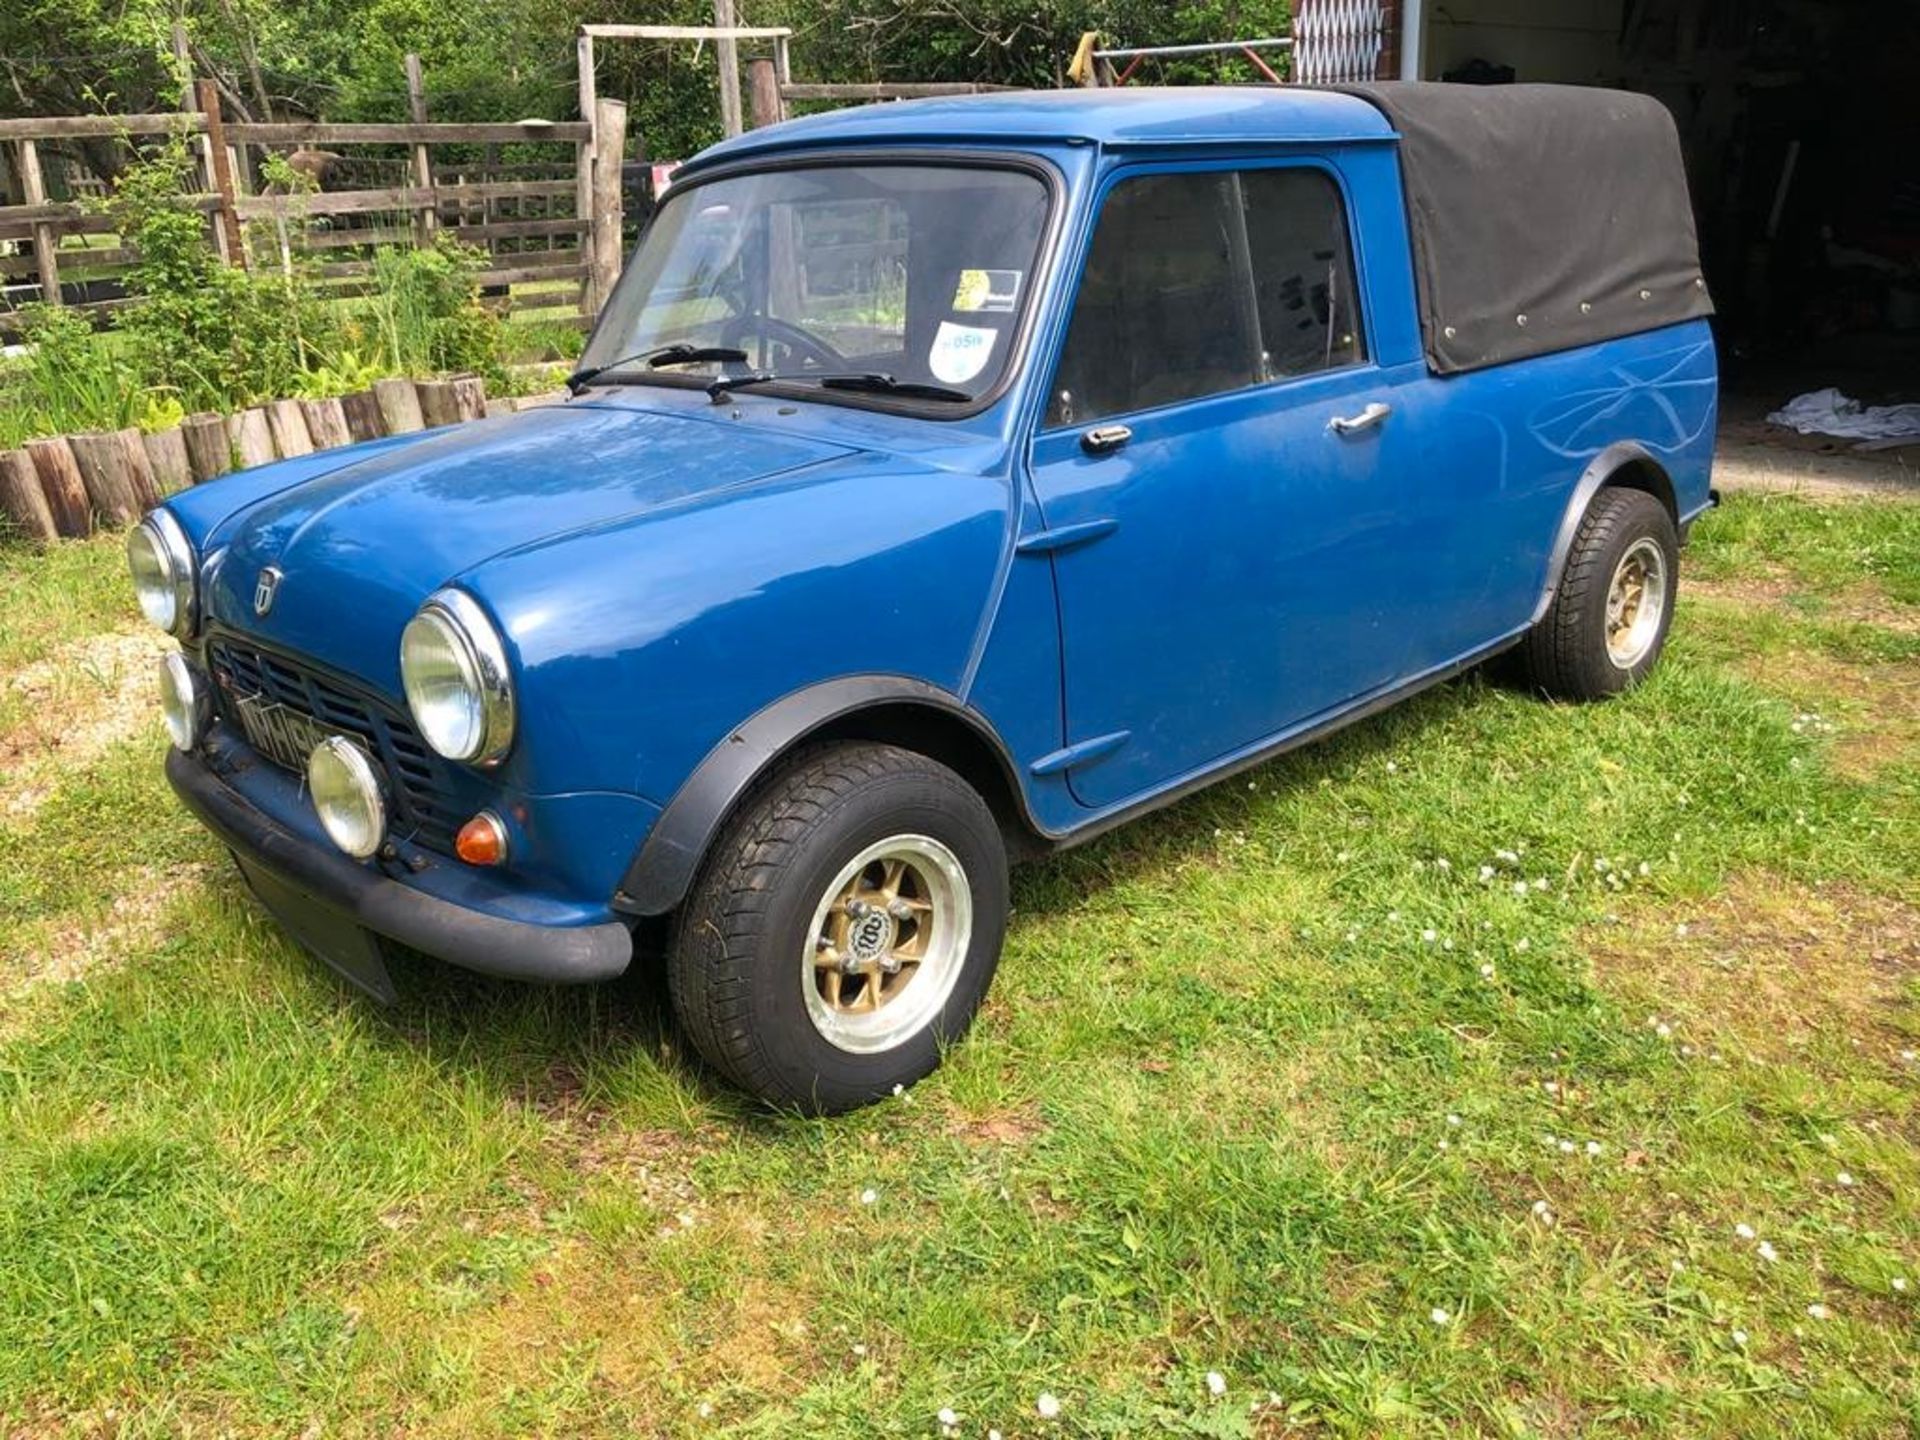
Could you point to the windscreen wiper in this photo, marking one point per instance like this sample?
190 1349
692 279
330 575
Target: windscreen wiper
679 354
874 381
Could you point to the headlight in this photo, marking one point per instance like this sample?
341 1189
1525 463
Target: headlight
346 796
162 564
454 667
183 701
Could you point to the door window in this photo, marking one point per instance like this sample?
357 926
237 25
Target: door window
1302 271
1204 282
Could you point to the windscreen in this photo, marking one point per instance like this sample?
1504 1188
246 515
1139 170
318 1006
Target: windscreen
917 271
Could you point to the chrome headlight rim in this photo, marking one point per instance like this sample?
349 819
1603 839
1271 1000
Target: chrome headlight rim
480 655
184 703
364 782
174 554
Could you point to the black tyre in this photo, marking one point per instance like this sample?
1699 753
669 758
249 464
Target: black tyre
843 929
1610 614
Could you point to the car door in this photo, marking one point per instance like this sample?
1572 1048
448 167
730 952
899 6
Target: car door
1215 470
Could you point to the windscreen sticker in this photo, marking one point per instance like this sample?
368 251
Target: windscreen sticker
987 291
960 351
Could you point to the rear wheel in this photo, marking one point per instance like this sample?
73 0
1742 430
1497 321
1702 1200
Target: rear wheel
1613 607
844 928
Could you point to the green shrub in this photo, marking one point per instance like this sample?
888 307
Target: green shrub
426 315
217 335
72 377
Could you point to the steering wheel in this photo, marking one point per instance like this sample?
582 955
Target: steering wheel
803 348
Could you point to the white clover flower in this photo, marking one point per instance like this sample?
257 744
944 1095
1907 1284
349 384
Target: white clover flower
1443 863
1522 944
1216 1383
1645 868
1342 858
1843 1178
1392 915
867 1197
706 1410
1818 1311
1740 1337
1438 1316
1540 883
1445 1144
1506 857
1681 929
1679 1267
1900 1284
1520 887
1393 767
1352 935
1429 935
993 1435
1552 1087
859 1349
1743 1230
1486 972
1566 1147
947 1417
1663 1030
1453 1119
1766 1251
1593 1147
1486 872
1048 1405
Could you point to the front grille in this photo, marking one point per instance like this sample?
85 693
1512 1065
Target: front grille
425 805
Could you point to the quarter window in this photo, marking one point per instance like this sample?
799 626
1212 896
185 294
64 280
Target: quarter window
1204 282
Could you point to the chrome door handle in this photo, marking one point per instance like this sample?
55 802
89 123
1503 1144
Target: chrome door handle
1365 420
1103 438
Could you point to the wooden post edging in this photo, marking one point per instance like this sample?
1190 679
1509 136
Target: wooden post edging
167 454
326 424
250 437
437 405
209 451
362 413
22 500
289 424
604 235
399 404
106 475
60 482
146 486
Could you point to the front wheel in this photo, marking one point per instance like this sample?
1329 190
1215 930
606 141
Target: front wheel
844 928
1613 606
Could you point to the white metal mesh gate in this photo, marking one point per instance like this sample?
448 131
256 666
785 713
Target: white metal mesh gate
1335 41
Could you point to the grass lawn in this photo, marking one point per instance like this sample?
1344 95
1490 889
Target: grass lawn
1497 1067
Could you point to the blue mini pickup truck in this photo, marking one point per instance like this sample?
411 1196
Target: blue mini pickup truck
946 482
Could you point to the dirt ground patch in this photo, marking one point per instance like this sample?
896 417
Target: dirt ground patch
62 713
1768 968
1879 723
1864 605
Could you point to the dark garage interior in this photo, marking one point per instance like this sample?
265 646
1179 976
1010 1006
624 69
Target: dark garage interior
1801 126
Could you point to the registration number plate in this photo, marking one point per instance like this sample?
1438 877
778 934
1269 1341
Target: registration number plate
282 734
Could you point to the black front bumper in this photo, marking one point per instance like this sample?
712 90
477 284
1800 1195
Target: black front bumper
325 896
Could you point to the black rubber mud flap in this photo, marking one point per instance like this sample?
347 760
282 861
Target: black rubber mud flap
349 950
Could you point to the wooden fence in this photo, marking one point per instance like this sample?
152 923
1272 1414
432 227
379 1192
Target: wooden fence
550 226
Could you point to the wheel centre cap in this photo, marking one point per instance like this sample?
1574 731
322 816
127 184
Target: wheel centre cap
871 936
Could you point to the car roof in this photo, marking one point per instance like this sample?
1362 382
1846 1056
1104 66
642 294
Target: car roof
1126 116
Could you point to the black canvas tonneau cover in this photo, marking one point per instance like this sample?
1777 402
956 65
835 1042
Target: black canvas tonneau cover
1543 217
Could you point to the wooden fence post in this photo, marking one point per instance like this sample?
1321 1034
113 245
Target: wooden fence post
604 235
217 157
250 437
362 413
146 485
763 93
583 156
426 218
727 53
44 240
167 454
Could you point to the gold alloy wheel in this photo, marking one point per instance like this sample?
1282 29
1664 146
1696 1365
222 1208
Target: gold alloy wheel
888 941
1636 602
